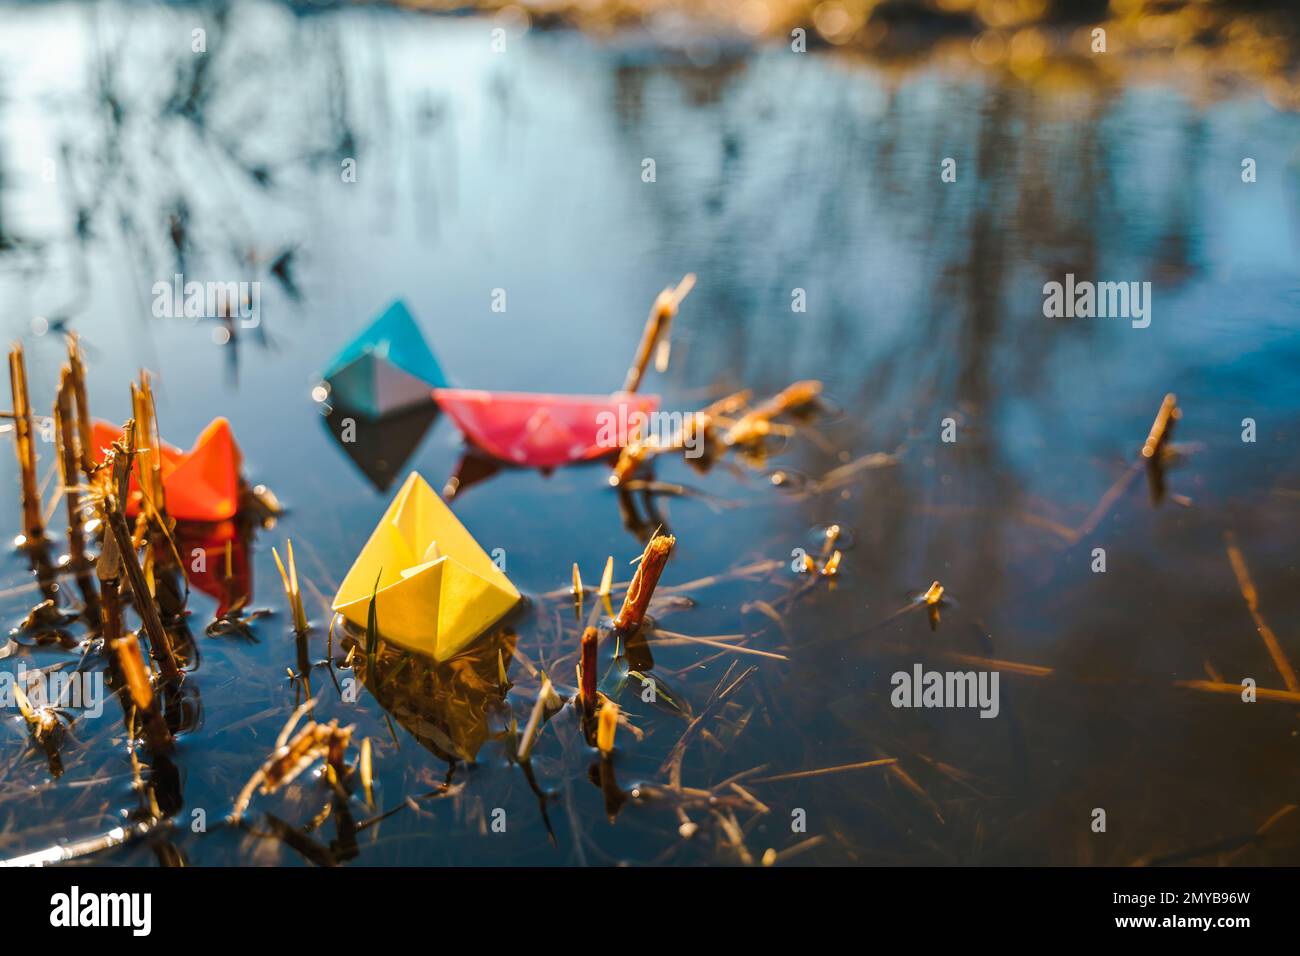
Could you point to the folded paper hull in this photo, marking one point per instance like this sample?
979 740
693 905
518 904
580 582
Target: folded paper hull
543 431
434 605
374 387
387 368
201 484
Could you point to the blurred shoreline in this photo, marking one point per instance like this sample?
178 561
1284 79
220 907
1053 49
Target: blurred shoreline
1212 50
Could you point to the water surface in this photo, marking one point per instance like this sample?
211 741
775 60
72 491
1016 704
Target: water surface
774 172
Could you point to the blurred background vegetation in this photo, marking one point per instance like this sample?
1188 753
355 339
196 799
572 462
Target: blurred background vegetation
1211 43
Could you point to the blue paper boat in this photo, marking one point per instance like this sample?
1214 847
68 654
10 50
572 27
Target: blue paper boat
386 368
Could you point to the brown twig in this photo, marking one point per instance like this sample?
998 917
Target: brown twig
148 454
757 424
77 376
63 419
1262 693
642 588
656 329
64 425
1162 428
121 456
804 774
33 526
587 674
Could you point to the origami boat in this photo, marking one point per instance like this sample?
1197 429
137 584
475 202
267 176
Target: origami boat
540 430
434 588
388 367
201 484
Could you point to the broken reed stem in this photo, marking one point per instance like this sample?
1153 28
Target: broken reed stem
126 656
1162 428
148 455
758 423
1262 693
805 774
77 376
578 590
366 767
63 421
607 728
644 582
696 431
24 446
144 603
1251 597
587 671
656 328
534 725
122 456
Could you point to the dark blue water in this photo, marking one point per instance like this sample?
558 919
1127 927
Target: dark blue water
522 171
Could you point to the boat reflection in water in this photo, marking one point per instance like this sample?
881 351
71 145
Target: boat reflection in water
451 708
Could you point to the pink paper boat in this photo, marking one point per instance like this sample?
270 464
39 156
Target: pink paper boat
543 431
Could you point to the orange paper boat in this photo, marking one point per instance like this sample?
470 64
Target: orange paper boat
543 431
201 484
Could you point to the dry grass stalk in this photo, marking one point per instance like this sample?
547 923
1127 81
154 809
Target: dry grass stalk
644 582
1262 693
43 722
577 591
328 742
805 774
757 424
136 672
367 772
119 461
25 445
148 456
656 329
77 376
291 589
672 637
607 727
1162 428
545 697
68 467
696 432
126 656
640 449
992 663
607 585
607 578
1251 597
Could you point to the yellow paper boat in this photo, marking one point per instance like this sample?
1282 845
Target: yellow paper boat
438 590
